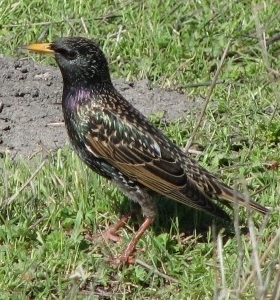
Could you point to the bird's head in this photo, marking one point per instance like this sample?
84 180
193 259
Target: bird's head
80 60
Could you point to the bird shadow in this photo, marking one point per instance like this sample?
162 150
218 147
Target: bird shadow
175 217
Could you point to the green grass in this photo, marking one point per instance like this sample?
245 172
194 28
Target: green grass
44 253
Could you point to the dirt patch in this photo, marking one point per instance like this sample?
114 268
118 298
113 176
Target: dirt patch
30 105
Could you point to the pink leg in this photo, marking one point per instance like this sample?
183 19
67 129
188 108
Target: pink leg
126 256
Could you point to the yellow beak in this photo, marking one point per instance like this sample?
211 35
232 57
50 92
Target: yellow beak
43 48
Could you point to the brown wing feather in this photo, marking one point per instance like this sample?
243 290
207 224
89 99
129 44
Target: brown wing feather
174 185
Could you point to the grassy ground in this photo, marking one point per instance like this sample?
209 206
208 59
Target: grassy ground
44 253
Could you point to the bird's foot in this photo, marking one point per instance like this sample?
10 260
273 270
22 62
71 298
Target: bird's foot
111 233
126 257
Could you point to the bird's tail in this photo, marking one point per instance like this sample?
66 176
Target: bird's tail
213 187
233 196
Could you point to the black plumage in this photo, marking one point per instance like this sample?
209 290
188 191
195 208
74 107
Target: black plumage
116 141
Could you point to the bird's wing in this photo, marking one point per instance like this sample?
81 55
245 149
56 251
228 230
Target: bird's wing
137 154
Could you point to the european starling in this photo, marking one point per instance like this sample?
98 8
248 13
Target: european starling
116 141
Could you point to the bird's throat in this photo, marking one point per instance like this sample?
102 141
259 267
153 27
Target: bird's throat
73 97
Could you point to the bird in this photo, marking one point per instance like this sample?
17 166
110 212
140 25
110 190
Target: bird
118 142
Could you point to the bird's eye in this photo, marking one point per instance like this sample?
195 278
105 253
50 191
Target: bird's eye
69 54
72 54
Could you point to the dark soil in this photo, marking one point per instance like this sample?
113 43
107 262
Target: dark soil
30 106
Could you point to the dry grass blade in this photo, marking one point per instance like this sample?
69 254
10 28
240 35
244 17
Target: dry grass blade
261 261
221 261
195 85
56 124
148 267
72 21
255 257
276 291
241 252
208 98
10 200
259 191
84 25
263 45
